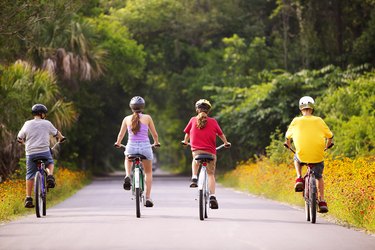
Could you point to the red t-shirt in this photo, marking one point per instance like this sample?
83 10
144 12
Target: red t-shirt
205 138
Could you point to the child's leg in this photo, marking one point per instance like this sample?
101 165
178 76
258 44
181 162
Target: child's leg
320 188
29 187
194 168
298 168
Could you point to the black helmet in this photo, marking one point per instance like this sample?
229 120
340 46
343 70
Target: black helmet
137 104
38 109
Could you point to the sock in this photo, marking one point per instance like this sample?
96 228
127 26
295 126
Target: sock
212 195
194 176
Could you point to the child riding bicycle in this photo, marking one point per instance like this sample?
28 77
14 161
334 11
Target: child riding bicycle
35 134
138 125
311 137
202 131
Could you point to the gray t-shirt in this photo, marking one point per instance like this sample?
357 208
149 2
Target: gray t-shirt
36 134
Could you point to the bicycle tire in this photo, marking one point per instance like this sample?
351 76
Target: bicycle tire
44 195
307 209
306 198
205 205
312 197
138 202
201 205
206 196
38 195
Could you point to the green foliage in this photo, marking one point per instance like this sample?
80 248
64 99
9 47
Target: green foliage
350 110
21 86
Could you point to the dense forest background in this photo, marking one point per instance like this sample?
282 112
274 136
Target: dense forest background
253 59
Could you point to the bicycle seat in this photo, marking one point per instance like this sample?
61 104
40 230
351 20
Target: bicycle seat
134 156
39 158
204 157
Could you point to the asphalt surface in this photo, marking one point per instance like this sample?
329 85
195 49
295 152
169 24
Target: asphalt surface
102 216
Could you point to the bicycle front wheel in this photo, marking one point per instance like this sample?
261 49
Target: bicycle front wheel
39 200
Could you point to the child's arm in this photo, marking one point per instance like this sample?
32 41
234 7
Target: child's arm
224 139
186 139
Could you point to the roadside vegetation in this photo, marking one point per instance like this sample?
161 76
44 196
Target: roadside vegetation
350 186
12 191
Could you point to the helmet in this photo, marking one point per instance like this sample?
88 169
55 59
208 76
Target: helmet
306 102
137 103
203 104
39 109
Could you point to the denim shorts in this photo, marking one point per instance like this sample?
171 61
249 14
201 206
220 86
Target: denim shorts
31 167
139 147
318 167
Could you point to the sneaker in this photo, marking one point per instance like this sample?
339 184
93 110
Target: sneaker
213 203
323 208
194 183
149 203
127 183
298 187
51 181
29 202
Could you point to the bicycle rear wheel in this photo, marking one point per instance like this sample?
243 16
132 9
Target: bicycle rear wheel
306 198
312 199
307 209
201 205
39 201
138 202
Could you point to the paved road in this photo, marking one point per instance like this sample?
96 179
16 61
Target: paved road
102 216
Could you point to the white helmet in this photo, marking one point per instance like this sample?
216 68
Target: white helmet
306 102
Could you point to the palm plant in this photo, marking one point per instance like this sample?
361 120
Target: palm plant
65 49
21 86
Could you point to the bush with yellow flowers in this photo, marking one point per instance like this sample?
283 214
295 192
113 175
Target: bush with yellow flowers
13 192
349 186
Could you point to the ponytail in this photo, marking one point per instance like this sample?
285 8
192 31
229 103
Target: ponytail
202 120
136 125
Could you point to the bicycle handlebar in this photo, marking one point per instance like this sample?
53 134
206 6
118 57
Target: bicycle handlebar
123 146
286 145
58 142
217 148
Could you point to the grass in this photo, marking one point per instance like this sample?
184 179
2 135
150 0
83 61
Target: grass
12 192
349 187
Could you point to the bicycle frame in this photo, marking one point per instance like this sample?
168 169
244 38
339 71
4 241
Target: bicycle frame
203 192
310 194
138 177
138 182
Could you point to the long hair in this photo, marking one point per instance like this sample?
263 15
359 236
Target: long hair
201 118
136 124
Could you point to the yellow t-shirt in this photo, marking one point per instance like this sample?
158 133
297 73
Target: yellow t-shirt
309 134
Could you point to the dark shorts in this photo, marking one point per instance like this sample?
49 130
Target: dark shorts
31 167
318 167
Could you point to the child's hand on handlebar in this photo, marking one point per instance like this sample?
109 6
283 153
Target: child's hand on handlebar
156 145
116 145
184 143
227 145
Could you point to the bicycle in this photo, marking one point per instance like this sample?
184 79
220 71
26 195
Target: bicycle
203 191
138 182
40 185
310 191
